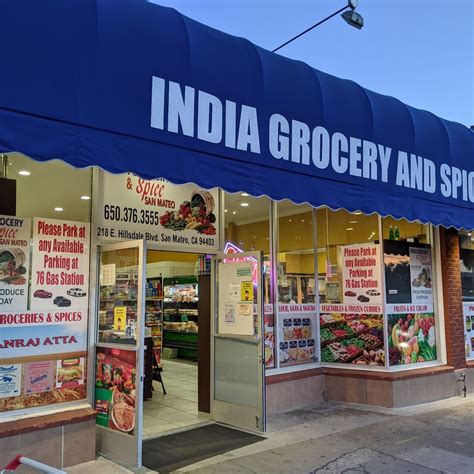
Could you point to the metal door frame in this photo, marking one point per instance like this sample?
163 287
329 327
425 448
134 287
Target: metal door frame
225 412
121 446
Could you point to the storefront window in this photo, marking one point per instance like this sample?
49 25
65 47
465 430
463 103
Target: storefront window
296 308
247 229
351 310
44 284
409 292
466 253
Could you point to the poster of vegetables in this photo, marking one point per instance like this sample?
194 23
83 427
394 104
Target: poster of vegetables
115 389
411 338
14 262
352 338
179 216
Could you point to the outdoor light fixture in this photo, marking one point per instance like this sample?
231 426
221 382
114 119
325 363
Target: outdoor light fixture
353 18
350 16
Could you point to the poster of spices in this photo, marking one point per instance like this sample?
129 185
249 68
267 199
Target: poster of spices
38 377
361 274
14 262
115 389
60 264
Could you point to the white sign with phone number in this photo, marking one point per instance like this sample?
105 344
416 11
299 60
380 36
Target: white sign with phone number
178 216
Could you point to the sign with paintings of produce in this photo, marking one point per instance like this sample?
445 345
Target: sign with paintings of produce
60 264
70 372
10 380
115 389
235 313
14 262
297 338
352 338
361 274
420 275
411 338
176 216
408 277
38 377
468 312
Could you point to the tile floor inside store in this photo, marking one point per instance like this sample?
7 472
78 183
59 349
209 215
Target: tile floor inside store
177 409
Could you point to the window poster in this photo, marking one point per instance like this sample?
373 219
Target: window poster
10 380
14 262
411 322
468 312
39 377
361 274
179 216
236 295
115 389
297 338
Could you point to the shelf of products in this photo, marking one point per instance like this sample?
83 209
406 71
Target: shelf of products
180 315
154 312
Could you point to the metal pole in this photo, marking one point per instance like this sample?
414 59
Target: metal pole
4 165
310 28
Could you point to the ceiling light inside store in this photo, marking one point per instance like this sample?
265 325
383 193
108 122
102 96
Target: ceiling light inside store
233 212
244 204
357 213
58 209
225 210
244 194
350 228
353 222
85 198
24 173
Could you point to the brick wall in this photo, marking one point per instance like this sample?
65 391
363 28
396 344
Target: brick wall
452 293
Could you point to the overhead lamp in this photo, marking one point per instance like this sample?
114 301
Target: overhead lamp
349 228
24 173
244 204
85 198
353 222
244 194
225 210
351 17
357 213
233 212
58 209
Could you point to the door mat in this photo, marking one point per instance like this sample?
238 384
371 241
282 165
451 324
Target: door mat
168 453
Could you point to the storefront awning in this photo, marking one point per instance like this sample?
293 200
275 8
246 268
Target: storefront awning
132 86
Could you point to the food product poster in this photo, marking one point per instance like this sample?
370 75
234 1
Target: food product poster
246 291
70 372
115 389
269 334
231 276
120 318
179 216
420 275
38 377
468 313
297 338
14 262
25 340
352 334
411 338
361 274
60 264
10 380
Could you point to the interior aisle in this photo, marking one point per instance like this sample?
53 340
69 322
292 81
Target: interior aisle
178 408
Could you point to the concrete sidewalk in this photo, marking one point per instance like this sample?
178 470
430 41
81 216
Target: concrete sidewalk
336 438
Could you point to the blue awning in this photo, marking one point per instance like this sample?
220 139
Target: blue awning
131 86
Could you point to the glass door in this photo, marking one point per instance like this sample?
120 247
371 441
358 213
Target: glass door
120 351
237 362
